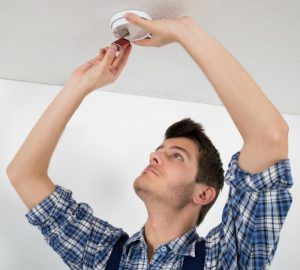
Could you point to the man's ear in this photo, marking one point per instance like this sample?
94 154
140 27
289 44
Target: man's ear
204 194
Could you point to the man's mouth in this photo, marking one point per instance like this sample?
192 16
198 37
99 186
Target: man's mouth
151 169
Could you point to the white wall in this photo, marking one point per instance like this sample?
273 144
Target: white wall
104 147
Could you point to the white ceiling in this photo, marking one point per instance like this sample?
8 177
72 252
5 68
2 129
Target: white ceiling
44 41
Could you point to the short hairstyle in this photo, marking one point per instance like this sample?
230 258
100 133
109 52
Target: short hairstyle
210 167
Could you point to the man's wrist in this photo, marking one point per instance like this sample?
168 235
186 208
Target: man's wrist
76 90
187 26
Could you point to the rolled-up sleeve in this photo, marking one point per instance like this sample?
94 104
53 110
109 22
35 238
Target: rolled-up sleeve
71 229
253 216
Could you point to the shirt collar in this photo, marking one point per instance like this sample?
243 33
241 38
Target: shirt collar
137 238
185 244
182 245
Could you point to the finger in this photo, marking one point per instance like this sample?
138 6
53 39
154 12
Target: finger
143 42
86 66
102 53
98 59
121 61
137 20
109 56
121 54
103 49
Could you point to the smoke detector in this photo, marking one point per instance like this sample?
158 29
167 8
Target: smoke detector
123 28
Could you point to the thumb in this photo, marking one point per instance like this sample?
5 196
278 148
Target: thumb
143 42
137 20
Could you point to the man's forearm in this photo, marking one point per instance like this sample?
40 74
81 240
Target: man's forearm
34 155
253 114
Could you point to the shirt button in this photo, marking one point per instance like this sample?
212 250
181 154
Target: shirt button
163 248
82 210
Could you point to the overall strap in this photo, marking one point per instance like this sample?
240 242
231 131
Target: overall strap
189 262
115 256
196 262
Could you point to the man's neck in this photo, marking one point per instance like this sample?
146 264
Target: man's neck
161 230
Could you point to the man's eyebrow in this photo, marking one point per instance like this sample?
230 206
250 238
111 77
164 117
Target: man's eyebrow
176 147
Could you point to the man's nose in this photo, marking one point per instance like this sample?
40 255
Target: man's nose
155 158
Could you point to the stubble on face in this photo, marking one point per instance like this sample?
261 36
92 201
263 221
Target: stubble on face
176 196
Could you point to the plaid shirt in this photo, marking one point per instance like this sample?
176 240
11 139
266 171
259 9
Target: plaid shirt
246 238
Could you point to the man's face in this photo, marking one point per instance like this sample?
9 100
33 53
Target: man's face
171 177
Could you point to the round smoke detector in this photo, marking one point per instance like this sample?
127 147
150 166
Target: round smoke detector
122 28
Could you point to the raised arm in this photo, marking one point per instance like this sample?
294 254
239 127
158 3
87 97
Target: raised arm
264 131
28 171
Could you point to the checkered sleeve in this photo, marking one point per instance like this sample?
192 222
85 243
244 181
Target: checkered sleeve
70 228
252 218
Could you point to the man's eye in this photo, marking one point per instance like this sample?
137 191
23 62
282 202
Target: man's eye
178 155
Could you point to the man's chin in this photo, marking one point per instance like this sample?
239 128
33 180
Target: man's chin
141 178
140 187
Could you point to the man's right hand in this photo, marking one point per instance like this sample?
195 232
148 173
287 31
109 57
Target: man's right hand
163 31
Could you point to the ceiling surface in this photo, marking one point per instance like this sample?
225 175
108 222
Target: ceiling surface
44 41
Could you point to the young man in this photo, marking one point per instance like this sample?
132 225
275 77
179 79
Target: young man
185 170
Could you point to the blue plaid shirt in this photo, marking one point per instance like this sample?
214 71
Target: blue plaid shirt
246 238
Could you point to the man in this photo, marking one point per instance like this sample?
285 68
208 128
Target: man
185 170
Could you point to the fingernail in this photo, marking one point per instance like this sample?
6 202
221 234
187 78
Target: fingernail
113 48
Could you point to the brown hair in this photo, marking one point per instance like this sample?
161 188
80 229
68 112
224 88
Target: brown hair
210 167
